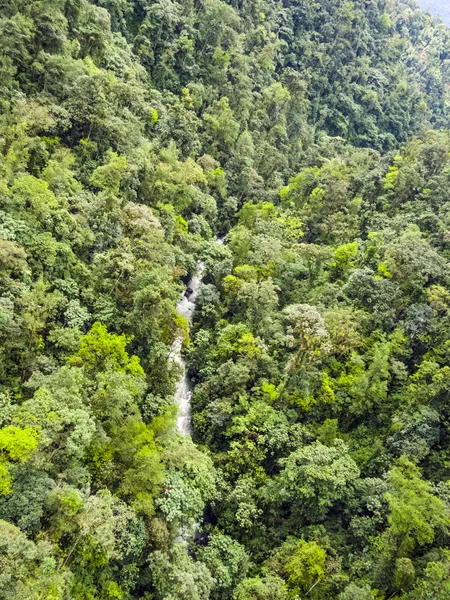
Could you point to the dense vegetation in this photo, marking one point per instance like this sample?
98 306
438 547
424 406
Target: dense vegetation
313 135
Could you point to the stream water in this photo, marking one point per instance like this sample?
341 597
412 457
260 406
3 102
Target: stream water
183 391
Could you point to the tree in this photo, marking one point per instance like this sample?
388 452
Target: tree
435 582
190 483
109 176
301 564
178 575
414 511
227 561
221 127
16 444
314 477
354 592
29 570
100 351
305 333
270 587
132 134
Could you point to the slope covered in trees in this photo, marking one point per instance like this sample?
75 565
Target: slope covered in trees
313 135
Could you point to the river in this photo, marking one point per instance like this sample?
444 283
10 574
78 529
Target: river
183 391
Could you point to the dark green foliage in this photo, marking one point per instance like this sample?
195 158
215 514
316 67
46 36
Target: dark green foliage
313 136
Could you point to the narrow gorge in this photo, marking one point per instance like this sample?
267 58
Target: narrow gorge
183 390
262 419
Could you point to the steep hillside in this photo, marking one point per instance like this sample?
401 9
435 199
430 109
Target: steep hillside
313 137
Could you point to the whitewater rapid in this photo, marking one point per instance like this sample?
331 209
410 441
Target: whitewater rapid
183 391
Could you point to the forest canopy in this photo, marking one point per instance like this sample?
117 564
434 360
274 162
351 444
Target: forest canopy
313 138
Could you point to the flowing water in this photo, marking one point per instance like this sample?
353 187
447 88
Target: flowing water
185 308
183 392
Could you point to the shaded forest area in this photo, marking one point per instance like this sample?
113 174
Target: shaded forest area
314 136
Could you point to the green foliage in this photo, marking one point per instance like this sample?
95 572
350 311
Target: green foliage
176 575
227 561
109 176
132 134
344 257
316 476
16 444
189 484
100 350
414 511
29 570
271 587
305 566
